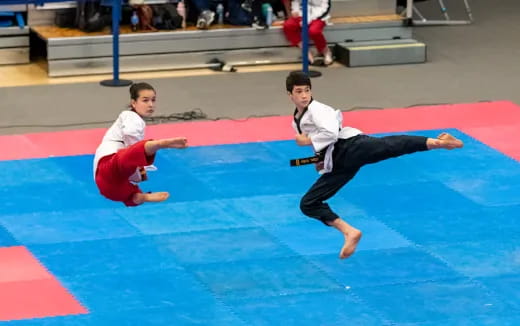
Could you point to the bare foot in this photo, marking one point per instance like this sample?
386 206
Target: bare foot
177 142
449 142
444 140
351 242
155 197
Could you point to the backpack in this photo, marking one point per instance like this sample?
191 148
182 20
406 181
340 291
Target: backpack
90 16
65 18
165 16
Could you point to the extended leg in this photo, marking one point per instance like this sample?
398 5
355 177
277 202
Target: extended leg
363 149
369 149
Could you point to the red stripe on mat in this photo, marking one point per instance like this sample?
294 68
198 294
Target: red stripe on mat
36 299
477 118
18 264
28 290
503 138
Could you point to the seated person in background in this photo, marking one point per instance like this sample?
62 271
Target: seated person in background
233 14
258 10
318 14
238 13
205 9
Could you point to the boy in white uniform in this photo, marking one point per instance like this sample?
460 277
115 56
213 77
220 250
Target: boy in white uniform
343 151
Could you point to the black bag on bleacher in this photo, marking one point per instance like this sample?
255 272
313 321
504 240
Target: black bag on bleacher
165 16
90 16
65 18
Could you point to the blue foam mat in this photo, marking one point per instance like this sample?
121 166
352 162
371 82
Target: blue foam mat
223 246
6 239
386 266
263 278
67 226
432 301
116 255
336 307
484 258
185 217
230 247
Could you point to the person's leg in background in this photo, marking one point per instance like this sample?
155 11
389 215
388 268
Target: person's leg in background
258 16
205 16
286 7
237 15
316 35
292 30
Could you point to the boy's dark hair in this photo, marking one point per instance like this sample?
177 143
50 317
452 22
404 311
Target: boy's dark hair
136 88
297 78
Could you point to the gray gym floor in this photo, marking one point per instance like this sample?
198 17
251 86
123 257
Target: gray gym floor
477 62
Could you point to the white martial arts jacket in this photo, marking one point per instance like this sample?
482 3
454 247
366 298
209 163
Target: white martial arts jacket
316 9
323 125
127 130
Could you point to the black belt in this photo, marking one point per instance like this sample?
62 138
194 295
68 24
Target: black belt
319 157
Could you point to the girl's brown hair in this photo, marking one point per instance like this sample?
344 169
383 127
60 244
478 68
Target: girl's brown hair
136 88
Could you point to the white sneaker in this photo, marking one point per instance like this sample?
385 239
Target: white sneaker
328 59
205 19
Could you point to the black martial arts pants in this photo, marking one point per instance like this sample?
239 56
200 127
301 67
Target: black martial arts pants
349 156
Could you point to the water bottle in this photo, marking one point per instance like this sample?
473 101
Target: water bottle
134 21
267 10
269 16
220 14
181 10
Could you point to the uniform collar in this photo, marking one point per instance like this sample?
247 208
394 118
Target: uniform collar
304 110
298 120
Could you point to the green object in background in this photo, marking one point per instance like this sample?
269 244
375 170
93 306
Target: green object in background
265 9
267 12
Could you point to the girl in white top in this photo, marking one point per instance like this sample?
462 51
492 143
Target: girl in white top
123 154
345 151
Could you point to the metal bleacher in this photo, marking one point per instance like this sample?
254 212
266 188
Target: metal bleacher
14 40
71 52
